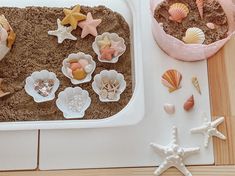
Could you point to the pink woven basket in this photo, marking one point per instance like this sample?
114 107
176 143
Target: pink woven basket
191 52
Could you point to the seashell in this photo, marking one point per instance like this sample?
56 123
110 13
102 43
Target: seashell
178 11
169 108
172 80
11 39
88 68
4 23
73 102
196 84
80 73
109 85
42 75
210 25
200 5
2 93
115 43
75 65
3 43
194 36
189 104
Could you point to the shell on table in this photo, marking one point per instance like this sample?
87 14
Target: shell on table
172 79
169 108
178 11
196 84
200 6
194 36
189 104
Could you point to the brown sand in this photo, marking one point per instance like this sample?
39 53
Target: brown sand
213 13
34 50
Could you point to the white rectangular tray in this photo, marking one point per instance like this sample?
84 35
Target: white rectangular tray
130 146
134 111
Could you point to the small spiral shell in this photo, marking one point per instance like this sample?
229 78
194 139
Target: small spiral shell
194 36
178 11
200 5
196 84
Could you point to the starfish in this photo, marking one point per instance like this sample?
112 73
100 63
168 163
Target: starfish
89 26
62 32
118 47
104 43
209 129
2 94
73 16
107 54
174 155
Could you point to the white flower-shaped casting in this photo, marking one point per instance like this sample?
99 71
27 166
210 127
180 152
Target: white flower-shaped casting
73 102
42 75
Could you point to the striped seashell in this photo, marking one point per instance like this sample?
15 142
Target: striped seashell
172 79
189 104
194 36
196 84
200 4
178 11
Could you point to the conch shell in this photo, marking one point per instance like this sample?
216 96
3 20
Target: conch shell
178 11
194 36
200 4
172 80
189 104
196 84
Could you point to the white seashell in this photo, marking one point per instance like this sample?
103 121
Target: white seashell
169 108
194 36
67 72
30 87
110 75
113 37
3 43
73 102
88 68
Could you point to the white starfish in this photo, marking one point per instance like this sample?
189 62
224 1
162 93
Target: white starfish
209 129
174 155
62 32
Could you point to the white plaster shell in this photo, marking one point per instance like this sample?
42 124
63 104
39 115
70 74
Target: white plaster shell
67 96
78 56
30 87
112 37
111 74
169 108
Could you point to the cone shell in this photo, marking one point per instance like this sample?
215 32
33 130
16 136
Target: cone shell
172 80
200 4
189 104
196 84
194 36
178 11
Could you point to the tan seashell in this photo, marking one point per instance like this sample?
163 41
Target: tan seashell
178 11
210 25
200 5
196 84
169 108
11 39
4 23
3 94
172 80
189 104
194 36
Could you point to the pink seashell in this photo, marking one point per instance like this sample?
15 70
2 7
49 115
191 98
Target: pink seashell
83 62
178 11
200 4
189 104
169 108
210 25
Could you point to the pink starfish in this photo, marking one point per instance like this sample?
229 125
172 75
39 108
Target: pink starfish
107 54
89 26
118 47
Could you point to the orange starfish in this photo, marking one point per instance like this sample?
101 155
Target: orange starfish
2 94
73 16
107 54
